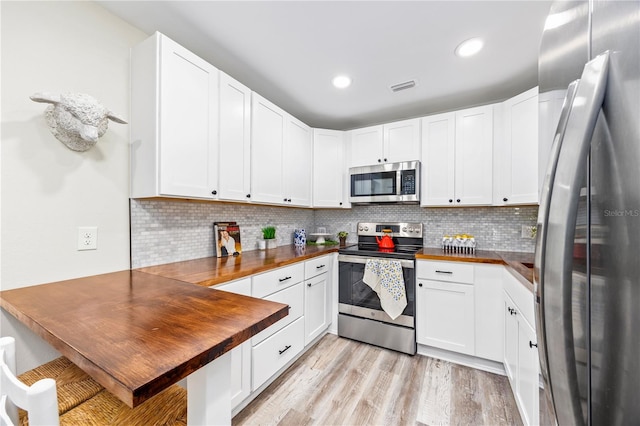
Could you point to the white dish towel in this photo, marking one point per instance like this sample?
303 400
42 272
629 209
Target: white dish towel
386 279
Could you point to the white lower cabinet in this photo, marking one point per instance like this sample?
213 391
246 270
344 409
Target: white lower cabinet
273 353
241 354
521 349
446 316
316 307
292 296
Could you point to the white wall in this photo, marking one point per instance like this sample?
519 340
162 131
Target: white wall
47 189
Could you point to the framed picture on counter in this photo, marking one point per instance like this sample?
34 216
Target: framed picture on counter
226 239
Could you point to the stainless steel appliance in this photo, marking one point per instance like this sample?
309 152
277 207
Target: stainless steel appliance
385 183
587 269
360 315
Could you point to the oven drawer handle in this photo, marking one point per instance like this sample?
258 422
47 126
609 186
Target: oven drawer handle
284 279
286 348
409 264
444 272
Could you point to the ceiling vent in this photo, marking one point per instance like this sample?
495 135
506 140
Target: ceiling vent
403 86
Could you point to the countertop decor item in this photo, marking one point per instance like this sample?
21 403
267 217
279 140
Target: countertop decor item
299 238
268 238
342 236
76 119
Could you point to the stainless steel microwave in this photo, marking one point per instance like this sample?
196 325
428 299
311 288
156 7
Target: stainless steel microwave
385 183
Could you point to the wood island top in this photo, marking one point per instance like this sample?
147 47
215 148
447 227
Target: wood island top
210 271
138 333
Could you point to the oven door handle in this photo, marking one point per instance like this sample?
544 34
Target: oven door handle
363 259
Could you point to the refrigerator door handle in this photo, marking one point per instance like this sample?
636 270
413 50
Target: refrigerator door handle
558 254
543 213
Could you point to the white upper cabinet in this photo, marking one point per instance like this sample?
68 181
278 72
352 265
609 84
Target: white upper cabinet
516 152
174 122
297 167
401 141
457 156
329 172
281 149
235 140
388 143
267 142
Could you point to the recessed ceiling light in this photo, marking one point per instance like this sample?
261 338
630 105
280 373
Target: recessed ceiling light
341 81
469 47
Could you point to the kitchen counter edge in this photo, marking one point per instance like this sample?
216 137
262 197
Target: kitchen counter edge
211 271
517 263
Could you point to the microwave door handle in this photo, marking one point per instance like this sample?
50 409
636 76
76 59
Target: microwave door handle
543 214
399 184
558 257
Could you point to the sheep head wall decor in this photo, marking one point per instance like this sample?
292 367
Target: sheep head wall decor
76 119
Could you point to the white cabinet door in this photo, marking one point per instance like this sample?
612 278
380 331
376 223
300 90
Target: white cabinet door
267 141
297 163
235 140
489 312
316 309
510 340
401 141
518 151
474 156
438 160
329 171
366 146
174 121
241 354
445 315
527 375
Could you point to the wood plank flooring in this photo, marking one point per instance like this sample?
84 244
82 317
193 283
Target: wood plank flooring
343 382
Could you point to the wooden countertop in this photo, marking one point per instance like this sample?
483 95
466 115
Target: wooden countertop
518 263
138 333
210 271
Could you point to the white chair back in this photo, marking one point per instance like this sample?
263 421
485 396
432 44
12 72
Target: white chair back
40 400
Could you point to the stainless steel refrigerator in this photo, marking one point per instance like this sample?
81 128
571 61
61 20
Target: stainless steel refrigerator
587 269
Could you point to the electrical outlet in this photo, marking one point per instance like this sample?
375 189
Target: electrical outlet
87 238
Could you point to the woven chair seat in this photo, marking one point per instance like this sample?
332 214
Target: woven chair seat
73 385
167 408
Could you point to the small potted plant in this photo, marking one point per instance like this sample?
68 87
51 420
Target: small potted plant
342 235
268 238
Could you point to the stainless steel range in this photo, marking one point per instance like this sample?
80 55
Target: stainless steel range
361 316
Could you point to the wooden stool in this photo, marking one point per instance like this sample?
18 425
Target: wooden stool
167 408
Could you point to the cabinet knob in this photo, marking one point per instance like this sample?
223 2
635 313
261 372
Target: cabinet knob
214 192
248 195
340 202
532 345
285 200
419 284
308 284
379 160
458 200
505 199
288 200
385 160
450 200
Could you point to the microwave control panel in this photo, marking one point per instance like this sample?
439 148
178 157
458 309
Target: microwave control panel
408 183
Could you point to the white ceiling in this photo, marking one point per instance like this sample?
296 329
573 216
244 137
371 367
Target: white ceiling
288 51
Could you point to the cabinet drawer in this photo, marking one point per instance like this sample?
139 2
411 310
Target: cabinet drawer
316 266
292 296
242 287
521 296
272 281
446 271
276 351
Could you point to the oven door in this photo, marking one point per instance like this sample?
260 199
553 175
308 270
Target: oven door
358 299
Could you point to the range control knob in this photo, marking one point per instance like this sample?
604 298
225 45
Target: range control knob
366 228
404 229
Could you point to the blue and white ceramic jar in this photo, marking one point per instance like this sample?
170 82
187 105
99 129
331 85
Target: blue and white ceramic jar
299 238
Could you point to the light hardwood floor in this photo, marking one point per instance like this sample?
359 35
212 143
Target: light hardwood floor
343 382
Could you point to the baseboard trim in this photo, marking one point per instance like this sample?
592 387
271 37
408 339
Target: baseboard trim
462 359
